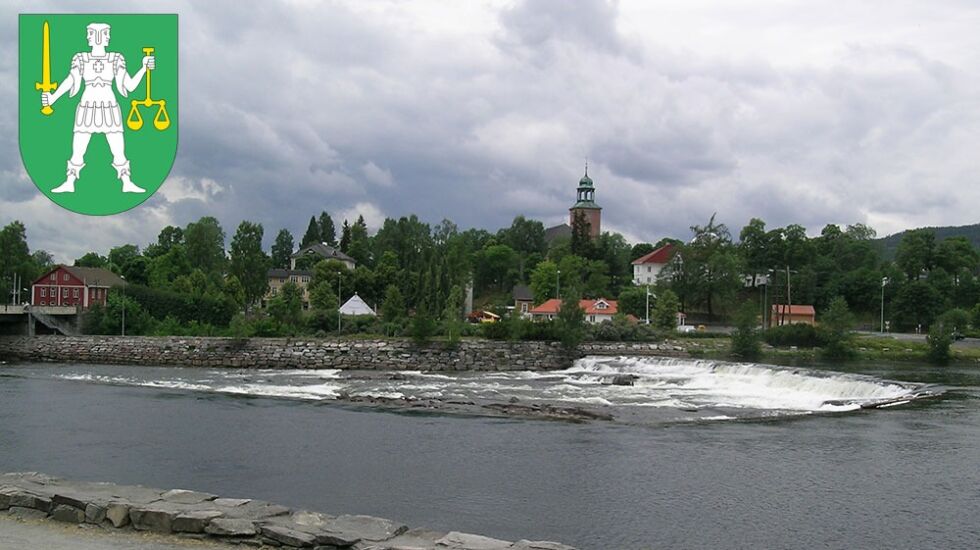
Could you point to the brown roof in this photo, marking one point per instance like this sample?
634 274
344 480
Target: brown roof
552 306
661 255
794 309
95 276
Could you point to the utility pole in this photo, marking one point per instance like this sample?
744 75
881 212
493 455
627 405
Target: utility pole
648 304
558 284
123 305
338 303
884 281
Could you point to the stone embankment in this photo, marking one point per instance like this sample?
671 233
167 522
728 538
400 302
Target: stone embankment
312 353
250 523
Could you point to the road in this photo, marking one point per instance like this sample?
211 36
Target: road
49 535
904 337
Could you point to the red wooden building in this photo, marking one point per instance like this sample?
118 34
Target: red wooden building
74 286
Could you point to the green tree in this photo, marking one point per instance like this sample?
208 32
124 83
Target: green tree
393 308
939 339
15 257
164 269
664 314
571 320
544 279
287 306
955 254
835 330
169 237
248 262
452 316
633 301
91 259
204 241
916 252
312 235
234 291
746 343
328 233
120 256
957 319
359 246
282 249
917 303
323 285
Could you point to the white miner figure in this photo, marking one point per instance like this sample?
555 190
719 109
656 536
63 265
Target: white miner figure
98 111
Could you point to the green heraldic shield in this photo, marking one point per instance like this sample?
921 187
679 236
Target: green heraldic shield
98 107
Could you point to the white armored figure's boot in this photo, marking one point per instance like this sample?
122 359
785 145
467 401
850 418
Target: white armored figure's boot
122 171
71 175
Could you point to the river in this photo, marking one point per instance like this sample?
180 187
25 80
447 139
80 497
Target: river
700 454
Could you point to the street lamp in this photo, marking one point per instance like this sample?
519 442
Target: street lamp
123 305
648 303
558 284
884 281
338 303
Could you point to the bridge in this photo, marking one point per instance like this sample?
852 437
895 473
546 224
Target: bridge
24 319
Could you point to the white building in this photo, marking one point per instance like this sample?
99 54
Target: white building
647 268
356 306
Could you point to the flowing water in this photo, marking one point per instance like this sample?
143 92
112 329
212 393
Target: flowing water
699 454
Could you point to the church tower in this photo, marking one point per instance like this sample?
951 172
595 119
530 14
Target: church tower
585 204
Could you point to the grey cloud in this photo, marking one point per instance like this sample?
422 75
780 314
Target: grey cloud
284 105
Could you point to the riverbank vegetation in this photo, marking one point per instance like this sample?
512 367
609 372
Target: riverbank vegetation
416 275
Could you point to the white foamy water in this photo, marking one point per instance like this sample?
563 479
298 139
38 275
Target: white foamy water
682 389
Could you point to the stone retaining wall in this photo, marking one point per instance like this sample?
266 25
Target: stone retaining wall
244 522
311 353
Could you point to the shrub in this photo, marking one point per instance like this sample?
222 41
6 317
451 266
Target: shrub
835 330
940 338
800 335
745 337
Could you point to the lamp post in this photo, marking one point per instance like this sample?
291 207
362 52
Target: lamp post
123 305
884 281
338 303
648 303
558 284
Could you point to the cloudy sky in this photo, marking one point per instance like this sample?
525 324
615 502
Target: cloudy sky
792 111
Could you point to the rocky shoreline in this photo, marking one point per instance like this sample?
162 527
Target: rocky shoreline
244 522
313 353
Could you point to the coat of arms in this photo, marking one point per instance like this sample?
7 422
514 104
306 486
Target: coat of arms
98 107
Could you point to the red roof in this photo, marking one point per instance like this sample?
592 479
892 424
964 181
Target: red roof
591 307
661 255
781 309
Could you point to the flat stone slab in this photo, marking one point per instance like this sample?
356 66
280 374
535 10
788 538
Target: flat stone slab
290 537
231 502
158 520
183 496
465 541
194 521
224 527
26 513
68 514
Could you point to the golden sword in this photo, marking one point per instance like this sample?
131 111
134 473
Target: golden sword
46 85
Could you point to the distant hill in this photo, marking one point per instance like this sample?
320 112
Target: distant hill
888 245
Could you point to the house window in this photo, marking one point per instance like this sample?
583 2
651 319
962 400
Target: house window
42 302
305 279
65 277
292 278
64 292
648 269
524 307
74 293
54 277
591 318
44 292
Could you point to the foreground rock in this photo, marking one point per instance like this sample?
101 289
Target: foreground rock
251 523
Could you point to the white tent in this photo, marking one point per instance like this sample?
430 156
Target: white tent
356 306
